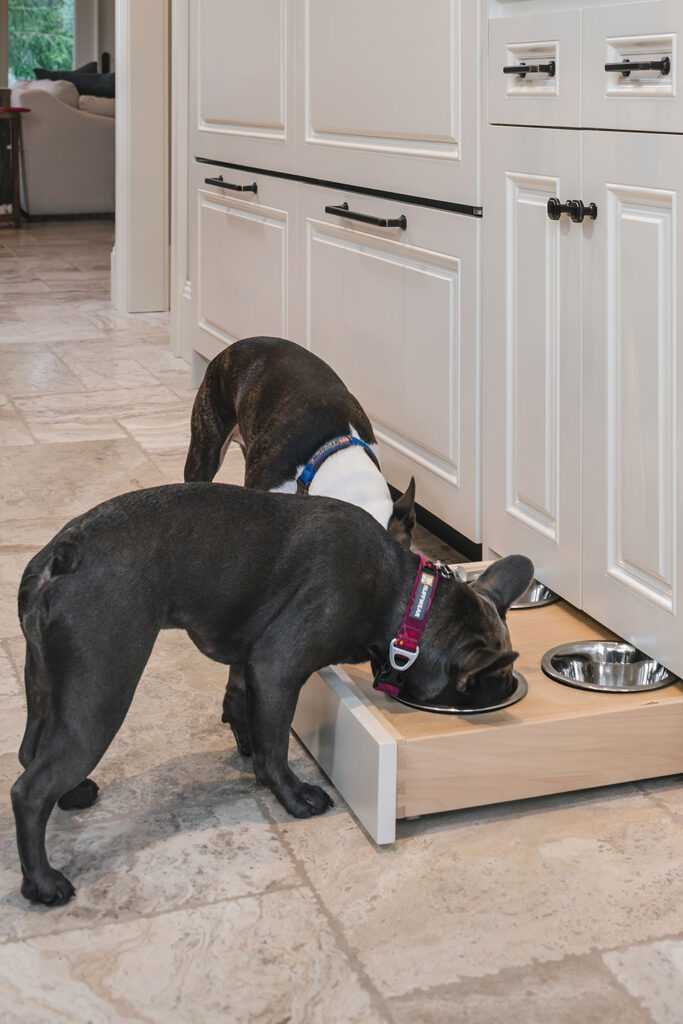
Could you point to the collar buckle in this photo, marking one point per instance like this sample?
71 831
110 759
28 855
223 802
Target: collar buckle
401 657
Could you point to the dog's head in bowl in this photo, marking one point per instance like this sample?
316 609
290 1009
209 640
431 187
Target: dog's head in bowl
466 656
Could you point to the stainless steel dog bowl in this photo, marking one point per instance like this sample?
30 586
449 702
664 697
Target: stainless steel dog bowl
605 667
537 595
441 709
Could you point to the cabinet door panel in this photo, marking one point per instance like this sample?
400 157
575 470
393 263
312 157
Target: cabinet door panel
536 99
632 453
243 256
394 312
532 354
242 81
388 95
644 100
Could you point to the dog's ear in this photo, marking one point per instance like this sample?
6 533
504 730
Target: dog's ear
505 581
481 659
402 520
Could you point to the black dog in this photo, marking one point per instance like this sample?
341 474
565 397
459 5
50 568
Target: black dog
281 584
281 404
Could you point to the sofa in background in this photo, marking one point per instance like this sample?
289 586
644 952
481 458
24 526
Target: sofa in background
68 163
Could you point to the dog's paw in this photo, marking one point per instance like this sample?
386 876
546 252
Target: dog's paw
82 795
309 800
53 889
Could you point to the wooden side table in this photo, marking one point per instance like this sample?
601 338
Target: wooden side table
10 148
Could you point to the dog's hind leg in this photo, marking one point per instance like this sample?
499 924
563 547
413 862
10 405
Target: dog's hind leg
91 693
235 708
38 695
213 425
271 702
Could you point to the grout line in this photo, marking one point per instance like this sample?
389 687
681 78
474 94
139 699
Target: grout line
376 998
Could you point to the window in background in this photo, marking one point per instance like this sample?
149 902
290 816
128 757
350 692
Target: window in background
41 35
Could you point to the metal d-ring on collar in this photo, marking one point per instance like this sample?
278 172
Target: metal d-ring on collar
405 647
305 477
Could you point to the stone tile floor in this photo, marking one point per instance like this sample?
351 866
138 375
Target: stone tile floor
199 899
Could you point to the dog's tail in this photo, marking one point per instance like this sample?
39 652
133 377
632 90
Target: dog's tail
35 591
214 421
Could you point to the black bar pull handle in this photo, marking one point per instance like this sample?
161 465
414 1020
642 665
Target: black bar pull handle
531 69
228 184
627 66
381 222
574 208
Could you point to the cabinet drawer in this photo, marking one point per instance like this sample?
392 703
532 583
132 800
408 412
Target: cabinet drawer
390 762
394 311
388 95
242 257
547 97
242 104
643 100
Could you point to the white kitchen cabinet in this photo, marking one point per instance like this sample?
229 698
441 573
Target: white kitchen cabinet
242 100
394 310
632 379
243 259
643 100
532 354
388 95
550 94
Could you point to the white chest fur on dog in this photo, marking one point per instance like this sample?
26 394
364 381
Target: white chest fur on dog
350 475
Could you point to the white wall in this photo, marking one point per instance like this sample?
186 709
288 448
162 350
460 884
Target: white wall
94 30
140 260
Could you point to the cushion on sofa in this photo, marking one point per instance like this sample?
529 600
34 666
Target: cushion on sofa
102 105
87 84
64 91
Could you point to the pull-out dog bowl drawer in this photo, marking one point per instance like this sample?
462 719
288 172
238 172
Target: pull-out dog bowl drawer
390 761
605 667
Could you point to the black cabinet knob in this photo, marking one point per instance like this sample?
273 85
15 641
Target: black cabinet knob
574 208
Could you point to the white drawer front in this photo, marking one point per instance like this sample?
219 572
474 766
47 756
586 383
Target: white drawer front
547 97
242 74
643 100
388 95
394 312
243 259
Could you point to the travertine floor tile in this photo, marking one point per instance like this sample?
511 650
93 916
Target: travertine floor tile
573 991
34 368
654 976
256 960
506 886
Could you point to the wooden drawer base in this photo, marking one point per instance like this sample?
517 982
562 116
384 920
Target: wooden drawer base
390 762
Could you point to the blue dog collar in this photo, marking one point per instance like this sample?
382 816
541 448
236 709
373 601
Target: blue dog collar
335 445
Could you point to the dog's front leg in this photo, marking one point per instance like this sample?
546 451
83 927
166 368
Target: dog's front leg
271 702
235 708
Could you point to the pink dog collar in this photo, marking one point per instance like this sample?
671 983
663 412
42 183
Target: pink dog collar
405 647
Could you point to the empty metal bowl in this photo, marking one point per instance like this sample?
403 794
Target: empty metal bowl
442 709
537 595
605 667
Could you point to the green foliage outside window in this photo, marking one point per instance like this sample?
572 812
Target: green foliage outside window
41 35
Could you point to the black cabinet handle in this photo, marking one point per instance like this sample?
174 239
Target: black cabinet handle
574 207
627 66
381 222
534 69
228 184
